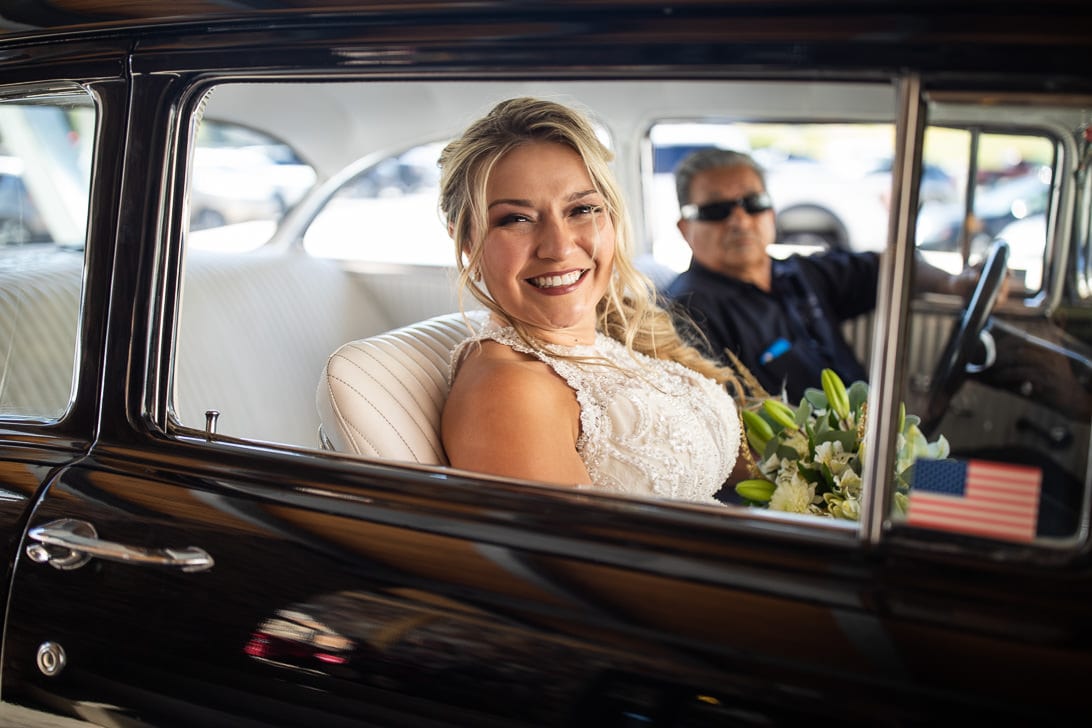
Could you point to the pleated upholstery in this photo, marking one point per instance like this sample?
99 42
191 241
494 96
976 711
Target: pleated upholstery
39 319
254 332
382 396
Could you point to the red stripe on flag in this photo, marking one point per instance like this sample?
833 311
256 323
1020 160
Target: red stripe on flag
999 501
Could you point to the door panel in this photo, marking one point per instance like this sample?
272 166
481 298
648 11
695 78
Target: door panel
340 606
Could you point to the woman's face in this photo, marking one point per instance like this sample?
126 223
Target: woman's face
548 249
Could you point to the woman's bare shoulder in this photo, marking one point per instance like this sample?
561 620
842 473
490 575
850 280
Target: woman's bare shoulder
509 414
498 372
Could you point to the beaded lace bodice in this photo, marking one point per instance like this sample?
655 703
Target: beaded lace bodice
647 426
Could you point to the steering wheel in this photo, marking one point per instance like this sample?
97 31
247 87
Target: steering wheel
952 367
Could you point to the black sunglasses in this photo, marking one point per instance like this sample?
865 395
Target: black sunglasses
716 211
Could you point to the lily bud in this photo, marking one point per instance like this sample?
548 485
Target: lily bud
756 489
759 431
835 389
780 412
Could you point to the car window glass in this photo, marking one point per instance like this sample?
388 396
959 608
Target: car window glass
357 248
365 250
46 145
999 398
393 198
829 182
242 181
384 210
1005 193
256 325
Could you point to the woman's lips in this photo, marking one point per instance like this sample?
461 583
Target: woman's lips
558 282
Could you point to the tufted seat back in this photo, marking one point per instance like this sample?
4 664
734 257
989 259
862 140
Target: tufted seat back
382 396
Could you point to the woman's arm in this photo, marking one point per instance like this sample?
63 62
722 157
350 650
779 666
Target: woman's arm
509 414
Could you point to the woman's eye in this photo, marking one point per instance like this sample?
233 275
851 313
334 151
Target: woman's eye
586 210
512 218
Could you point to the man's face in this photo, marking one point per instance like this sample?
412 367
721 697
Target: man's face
736 245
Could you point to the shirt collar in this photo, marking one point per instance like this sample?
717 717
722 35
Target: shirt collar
699 270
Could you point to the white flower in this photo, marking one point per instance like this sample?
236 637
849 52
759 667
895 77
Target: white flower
849 509
833 455
835 463
913 446
793 494
849 483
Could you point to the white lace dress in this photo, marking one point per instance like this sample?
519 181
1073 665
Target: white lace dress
648 427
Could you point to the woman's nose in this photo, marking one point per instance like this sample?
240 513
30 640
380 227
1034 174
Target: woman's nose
556 240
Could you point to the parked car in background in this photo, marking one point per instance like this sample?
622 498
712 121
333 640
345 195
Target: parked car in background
995 206
190 539
20 221
936 184
241 175
994 212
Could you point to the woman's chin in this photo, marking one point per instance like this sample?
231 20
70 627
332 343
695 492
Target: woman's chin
563 329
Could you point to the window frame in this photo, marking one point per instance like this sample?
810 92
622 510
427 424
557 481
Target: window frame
873 530
75 423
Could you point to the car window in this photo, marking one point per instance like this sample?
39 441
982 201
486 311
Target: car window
242 181
383 209
284 261
830 185
1001 397
995 184
828 182
46 145
364 252
393 198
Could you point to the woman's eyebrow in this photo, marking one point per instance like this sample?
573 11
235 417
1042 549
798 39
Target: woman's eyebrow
509 201
527 203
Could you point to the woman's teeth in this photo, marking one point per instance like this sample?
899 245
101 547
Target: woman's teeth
556 281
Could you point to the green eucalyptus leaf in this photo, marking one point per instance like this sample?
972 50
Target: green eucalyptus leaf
858 395
848 439
816 398
787 453
812 475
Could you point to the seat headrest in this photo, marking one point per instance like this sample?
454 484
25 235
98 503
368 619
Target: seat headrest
383 396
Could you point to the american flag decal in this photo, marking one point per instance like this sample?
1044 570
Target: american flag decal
976 497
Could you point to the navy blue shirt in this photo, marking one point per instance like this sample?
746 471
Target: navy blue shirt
788 336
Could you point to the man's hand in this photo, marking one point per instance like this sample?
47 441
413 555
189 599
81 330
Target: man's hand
963 284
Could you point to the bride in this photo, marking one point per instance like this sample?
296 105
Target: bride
578 378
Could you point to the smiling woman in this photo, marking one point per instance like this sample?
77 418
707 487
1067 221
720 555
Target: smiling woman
577 358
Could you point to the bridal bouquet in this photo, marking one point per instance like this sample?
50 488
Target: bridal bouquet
809 458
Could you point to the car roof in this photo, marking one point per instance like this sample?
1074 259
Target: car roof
1014 44
1041 23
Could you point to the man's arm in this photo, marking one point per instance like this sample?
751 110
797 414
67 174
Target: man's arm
928 278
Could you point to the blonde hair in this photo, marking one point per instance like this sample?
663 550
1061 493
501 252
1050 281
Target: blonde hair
628 312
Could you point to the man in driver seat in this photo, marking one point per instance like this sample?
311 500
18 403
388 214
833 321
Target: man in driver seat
780 318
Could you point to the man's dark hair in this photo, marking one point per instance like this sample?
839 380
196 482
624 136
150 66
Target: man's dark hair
711 158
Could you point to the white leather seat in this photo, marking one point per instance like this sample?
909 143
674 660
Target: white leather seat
382 396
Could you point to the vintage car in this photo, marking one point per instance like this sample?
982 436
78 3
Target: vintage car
222 495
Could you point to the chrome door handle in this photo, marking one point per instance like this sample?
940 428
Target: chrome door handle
69 543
